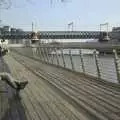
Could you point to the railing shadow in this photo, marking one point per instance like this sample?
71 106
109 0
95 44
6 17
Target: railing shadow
15 109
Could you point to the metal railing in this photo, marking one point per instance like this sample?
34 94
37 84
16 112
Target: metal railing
106 67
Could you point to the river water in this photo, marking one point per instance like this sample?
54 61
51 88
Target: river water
106 65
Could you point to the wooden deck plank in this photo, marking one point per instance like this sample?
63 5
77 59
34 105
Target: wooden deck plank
42 97
97 100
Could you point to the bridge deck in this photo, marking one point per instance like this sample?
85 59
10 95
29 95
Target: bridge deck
57 94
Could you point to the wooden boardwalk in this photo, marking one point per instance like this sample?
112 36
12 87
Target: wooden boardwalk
56 94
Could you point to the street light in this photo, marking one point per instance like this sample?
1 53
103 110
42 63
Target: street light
70 25
105 24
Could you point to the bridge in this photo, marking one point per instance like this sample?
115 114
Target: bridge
57 35
71 34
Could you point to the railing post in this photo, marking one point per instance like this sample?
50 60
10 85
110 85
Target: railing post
36 51
40 51
57 57
43 54
42 57
116 58
72 64
97 64
46 51
40 54
46 59
82 62
63 58
32 51
51 56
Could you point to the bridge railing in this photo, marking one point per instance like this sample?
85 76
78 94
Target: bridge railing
86 61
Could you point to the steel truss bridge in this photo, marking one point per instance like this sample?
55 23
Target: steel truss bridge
57 35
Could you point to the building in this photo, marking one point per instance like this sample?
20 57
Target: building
116 29
5 30
115 34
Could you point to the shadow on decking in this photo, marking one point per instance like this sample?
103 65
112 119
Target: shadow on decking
15 109
11 105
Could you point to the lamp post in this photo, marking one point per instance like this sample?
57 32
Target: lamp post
70 25
107 25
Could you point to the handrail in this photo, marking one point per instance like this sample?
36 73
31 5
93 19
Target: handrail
73 45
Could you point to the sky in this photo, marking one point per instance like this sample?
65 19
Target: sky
85 14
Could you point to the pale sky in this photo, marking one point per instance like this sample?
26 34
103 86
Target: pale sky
85 14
